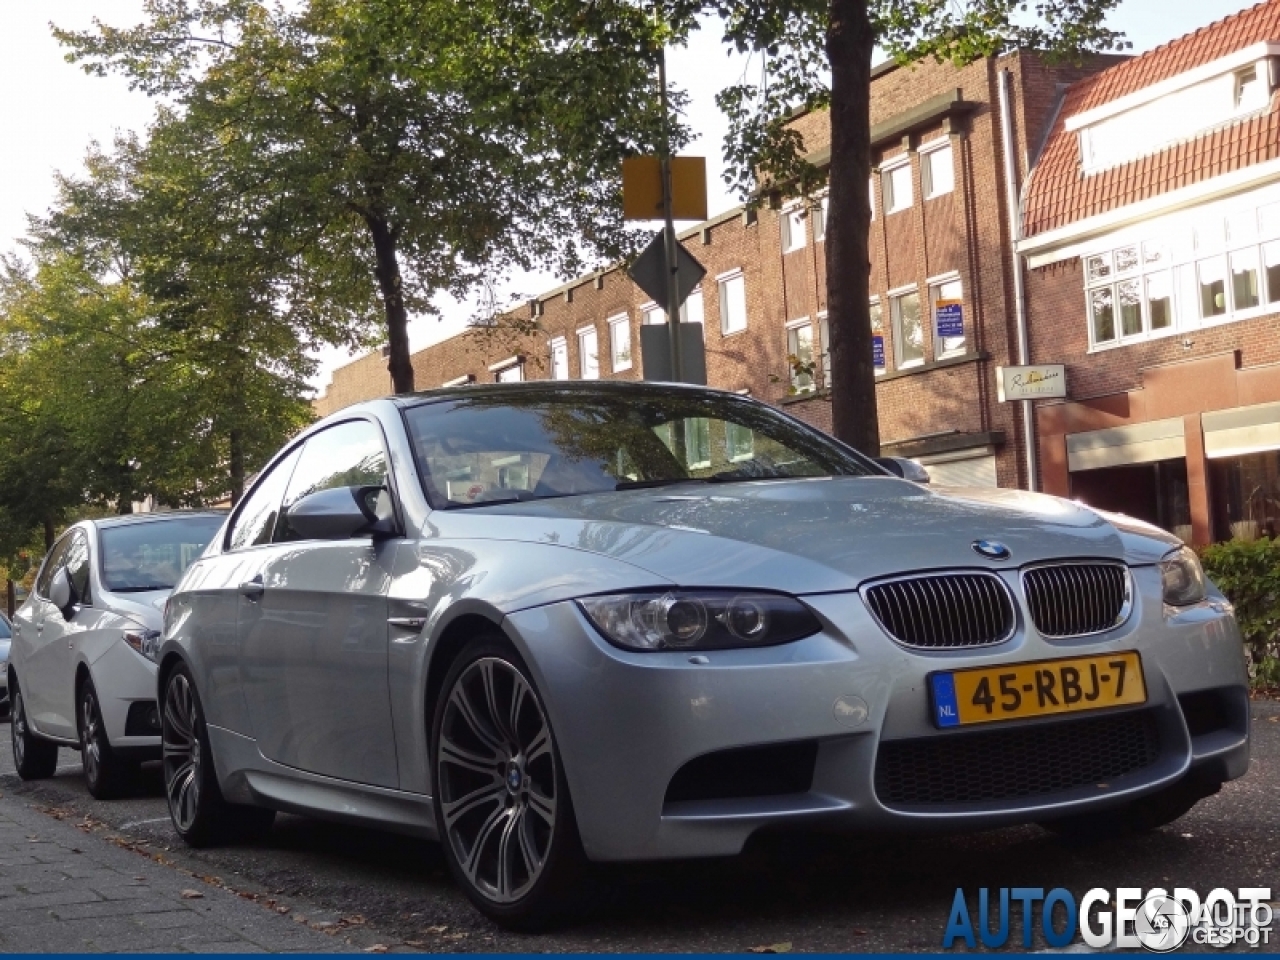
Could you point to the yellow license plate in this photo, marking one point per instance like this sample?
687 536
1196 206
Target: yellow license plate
1017 690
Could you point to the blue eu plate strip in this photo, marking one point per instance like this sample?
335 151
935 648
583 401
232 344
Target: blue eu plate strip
945 711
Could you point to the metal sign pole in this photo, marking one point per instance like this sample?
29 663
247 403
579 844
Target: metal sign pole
672 305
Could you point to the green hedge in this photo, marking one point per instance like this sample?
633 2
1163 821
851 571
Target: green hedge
1248 572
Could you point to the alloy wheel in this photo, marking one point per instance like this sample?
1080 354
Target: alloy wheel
181 753
90 724
496 772
18 729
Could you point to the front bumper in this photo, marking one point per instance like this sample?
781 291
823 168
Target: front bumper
839 702
126 687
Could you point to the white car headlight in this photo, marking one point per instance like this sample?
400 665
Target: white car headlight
699 619
146 642
1184 581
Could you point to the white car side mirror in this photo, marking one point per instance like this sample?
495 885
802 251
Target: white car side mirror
60 593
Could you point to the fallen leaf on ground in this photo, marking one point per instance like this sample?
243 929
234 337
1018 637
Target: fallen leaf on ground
355 920
376 948
859 932
282 909
192 895
772 948
324 925
414 943
440 929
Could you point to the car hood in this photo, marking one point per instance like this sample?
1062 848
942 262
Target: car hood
808 535
146 608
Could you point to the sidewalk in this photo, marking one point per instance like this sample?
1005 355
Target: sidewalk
62 890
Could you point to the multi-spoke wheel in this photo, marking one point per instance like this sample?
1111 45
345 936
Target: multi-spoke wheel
33 758
502 806
199 813
104 773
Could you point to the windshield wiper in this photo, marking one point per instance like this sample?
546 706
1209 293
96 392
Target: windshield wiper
645 484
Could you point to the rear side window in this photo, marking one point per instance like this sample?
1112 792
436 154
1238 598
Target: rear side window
347 455
256 519
152 555
51 563
77 563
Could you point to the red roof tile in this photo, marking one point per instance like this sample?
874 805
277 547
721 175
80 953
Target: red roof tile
1059 193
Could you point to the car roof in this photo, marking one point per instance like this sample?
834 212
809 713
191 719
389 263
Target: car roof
585 388
127 519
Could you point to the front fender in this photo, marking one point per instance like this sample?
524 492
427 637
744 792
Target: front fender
442 584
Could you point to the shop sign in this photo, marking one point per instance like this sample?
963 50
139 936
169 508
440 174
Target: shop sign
950 317
1041 381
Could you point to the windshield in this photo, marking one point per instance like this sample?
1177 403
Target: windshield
552 443
152 555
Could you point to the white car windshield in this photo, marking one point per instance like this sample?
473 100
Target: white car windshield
532 444
152 555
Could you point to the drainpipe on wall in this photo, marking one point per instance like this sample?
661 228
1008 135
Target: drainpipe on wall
1019 292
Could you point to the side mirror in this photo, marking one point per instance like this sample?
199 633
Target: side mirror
60 593
342 513
904 468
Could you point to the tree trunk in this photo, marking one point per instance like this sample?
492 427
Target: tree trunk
850 42
236 466
48 534
10 596
387 269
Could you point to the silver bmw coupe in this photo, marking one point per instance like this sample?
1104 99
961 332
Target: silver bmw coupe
554 623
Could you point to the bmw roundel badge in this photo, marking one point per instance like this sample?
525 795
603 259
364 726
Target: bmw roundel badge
991 549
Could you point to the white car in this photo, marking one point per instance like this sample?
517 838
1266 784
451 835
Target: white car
79 673
6 636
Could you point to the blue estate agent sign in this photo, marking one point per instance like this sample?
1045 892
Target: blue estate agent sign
877 351
950 317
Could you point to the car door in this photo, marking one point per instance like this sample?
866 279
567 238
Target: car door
313 628
48 688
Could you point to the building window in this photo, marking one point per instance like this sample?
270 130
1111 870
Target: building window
871 191
800 355
877 337
819 215
733 303
461 381
947 299
1218 263
1176 116
896 182
793 228
824 331
559 359
908 331
652 315
697 442
588 354
937 171
511 374
739 442
691 309
620 342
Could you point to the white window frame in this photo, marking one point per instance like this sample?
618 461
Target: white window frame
895 326
583 370
685 316
794 224
620 321
498 369
927 152
939 350
461 381
721 281
792 379
887 191
1187 240
820 212
561 343
651 309
824 353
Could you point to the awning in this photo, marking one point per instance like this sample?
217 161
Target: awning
1242 430
1118 446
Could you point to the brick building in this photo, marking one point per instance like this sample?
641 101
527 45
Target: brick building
1151 231
942 277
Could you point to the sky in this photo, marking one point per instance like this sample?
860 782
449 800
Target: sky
50 111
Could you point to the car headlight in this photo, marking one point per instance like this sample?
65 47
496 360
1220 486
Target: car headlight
1184 582
699 619
146 642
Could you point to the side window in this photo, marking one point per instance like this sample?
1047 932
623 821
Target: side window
77 564
348 455
51 563
257 517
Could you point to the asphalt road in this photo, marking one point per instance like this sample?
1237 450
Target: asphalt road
811 893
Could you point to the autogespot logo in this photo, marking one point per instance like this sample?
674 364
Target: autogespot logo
1158 920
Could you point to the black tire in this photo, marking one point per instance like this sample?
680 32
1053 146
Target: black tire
33 758
200 814
1139 816
501 794
105 774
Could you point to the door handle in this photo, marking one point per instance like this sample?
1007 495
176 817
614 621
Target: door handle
253 589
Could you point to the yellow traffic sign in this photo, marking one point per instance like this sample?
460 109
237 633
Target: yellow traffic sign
642 188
